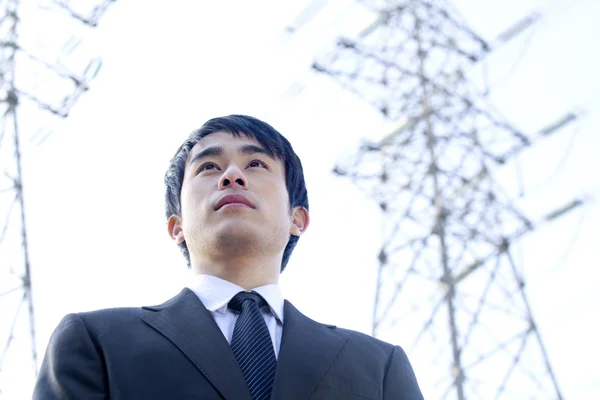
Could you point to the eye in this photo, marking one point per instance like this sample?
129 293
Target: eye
257 163
209 166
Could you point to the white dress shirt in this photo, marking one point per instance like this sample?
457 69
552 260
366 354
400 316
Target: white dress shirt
215 293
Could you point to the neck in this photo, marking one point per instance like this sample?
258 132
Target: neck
246 272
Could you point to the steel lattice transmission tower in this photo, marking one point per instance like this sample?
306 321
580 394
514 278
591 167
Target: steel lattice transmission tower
448 288
31 79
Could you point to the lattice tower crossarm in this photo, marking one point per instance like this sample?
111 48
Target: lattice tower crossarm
447 283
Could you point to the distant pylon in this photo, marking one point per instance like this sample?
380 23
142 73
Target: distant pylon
448 288
18 65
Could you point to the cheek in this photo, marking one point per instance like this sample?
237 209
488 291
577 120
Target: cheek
280 205
185 200
191 200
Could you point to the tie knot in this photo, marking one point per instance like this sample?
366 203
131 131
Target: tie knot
240 298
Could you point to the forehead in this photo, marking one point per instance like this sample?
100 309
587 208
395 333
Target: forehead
227 140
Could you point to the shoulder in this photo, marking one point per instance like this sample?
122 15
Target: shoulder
99 323
356 344
118 314
365 339
386 361
368 345
111 320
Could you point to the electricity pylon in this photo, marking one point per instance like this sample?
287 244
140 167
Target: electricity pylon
22 95
448 287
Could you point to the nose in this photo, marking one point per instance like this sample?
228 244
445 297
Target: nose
231 177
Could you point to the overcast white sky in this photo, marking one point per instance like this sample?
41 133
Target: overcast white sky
94 188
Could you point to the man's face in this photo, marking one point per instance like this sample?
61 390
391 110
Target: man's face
233 199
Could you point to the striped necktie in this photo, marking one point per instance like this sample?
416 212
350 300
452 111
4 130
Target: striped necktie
252 346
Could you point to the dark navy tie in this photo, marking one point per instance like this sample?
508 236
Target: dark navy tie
252 346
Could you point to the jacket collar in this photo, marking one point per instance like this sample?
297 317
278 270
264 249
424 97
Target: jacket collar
185 322
307 350
307 347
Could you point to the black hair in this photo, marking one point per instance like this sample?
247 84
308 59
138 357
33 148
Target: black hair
273 142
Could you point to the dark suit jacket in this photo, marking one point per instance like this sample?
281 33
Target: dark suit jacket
176 351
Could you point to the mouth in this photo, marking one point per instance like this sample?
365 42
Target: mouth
233 200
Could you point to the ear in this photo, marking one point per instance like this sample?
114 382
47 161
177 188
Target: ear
175 228
300 221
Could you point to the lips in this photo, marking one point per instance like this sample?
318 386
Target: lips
233 199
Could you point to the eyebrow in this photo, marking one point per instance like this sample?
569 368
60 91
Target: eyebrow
214 151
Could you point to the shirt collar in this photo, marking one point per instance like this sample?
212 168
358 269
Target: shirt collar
215 293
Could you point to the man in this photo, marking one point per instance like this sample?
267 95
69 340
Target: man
236 205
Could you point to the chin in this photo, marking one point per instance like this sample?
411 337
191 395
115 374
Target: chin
237 234
237 243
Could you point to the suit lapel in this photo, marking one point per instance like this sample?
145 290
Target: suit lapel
306 352
188 325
